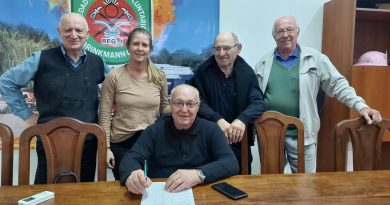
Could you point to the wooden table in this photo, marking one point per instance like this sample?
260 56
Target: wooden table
370 187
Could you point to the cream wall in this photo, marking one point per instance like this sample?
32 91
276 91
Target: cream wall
252 21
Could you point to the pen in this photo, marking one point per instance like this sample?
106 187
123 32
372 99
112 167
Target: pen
146 170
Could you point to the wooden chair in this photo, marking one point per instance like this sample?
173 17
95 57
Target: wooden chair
63 141
271 128
366 144
244 154
7 154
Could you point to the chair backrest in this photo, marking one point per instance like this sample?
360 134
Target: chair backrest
63 141
244 154
7 154
366 144
271 128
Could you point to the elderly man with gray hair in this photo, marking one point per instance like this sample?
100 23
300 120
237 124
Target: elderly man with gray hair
229 92
66 80
184 148
291 76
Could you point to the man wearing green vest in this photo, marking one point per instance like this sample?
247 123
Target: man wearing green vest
291 76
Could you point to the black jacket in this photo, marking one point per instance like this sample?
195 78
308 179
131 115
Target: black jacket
249 98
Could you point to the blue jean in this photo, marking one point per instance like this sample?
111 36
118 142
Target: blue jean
290 146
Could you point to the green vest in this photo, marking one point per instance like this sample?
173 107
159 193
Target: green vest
282 92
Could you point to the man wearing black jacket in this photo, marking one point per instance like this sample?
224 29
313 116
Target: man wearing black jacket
229 92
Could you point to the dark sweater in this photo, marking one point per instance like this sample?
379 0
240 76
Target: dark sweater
248 97
62 91
167 149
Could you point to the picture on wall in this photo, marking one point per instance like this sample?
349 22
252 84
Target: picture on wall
183 32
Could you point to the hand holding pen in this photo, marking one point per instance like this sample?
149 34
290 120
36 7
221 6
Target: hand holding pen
138 181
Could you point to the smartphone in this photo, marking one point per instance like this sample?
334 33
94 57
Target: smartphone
229 190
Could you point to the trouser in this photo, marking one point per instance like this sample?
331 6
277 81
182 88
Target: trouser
88 162
291 150
236 147
119 149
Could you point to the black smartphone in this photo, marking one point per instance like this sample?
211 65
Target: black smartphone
229 190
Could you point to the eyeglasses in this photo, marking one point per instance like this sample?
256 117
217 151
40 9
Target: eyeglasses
224 48
189 104
289 30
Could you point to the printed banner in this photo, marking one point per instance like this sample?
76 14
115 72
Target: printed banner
183 34
110 22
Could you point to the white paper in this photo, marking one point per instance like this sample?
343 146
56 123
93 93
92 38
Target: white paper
156 195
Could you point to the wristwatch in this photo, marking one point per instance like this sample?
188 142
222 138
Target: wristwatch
201 175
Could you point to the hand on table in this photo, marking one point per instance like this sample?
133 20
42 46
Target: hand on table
182 179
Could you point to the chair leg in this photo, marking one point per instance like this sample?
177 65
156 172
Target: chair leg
244 154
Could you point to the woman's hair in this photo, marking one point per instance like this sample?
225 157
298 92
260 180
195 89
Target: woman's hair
155 75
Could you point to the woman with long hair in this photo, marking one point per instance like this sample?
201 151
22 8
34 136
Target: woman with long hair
132 97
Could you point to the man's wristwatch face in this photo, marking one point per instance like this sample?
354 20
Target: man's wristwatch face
200 174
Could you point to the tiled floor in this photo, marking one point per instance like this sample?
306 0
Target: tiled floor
110 177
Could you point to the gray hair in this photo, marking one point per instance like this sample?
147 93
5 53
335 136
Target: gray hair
283 17
187 87
74 14
235 38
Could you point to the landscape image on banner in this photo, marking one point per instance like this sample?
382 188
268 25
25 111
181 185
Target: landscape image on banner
183 36
183 32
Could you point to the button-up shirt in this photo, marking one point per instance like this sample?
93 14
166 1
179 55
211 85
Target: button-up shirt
291 59
19 76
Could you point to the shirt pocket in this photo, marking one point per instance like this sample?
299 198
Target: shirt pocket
311 79
260 79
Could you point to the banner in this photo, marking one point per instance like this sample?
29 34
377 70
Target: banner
183 33
110 22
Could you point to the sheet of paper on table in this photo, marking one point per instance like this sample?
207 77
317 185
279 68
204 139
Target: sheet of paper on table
156 194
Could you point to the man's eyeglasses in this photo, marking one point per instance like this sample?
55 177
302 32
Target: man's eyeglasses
224 48
189 104
289 30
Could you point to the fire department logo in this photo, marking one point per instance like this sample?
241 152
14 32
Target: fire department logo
110 22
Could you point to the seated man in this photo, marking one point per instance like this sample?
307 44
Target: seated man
184 148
